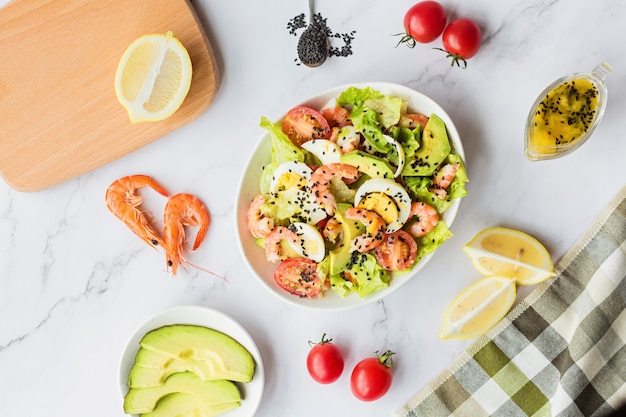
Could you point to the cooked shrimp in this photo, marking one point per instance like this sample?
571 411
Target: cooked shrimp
183 210
333 230
123 201
273 251
320 183
375 228
443 178
427 219
336 116
260 226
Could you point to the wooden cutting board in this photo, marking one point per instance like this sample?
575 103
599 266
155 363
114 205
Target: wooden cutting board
59 116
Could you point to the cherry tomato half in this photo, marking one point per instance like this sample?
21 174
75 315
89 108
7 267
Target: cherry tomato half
325 361
302 124
371 378
424 22
397 251
461 40
298 276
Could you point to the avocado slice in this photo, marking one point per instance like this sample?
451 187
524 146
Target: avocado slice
339 258
371 165
153 368
433 150
220 353
212 394
179 404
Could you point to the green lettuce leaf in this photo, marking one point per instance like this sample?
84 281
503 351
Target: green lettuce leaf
419 187
408 139
371 112
432 240
367 276
292 205
283 150
457 188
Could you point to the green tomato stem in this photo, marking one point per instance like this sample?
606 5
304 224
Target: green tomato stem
386 359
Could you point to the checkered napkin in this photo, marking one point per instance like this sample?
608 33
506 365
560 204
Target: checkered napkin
561 352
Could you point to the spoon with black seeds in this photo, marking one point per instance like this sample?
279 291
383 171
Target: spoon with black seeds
313 43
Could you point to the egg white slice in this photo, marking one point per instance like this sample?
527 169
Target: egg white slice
330 104
311 243
325 150
286 168
400 151
395 191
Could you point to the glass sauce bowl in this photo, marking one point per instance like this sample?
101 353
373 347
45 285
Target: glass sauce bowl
565 114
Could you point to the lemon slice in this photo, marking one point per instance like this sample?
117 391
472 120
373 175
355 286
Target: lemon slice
153 77
478 308
510 253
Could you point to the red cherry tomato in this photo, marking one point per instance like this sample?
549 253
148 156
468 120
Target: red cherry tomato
302 124
298 276
397 251
325 361
371 378
423 23
461 40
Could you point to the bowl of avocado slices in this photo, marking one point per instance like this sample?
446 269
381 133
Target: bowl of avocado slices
349 194
194 360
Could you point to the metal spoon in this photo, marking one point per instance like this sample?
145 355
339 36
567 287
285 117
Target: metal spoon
313 43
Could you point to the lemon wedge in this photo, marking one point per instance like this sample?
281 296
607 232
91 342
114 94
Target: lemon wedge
153 77
478 308
510 253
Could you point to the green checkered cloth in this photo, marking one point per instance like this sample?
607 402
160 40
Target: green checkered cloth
561 352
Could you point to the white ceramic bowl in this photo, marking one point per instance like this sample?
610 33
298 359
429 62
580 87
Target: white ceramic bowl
201 316
249 188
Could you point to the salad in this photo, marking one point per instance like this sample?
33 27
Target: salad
354 193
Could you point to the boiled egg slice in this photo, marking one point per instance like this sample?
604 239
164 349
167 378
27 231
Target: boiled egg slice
391 189
330 104
290 174
325 150
311 243
400 151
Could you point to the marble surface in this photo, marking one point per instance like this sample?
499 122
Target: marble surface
75 284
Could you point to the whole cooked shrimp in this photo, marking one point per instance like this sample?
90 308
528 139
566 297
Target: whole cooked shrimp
427 219
260 226
183 210
443 178
320 183
273 251
375 228
124 202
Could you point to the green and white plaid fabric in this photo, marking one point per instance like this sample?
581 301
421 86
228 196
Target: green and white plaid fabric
561 352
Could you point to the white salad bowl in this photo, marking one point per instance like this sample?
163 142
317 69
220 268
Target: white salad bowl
213 319
254 256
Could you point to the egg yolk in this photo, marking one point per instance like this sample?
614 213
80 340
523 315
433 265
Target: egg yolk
382 204
289 180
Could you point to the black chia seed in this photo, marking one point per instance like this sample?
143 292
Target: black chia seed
309 47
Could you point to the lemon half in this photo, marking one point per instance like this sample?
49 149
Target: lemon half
478 308
153 77
510 253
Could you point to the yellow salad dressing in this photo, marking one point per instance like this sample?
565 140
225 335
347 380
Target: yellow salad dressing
564 115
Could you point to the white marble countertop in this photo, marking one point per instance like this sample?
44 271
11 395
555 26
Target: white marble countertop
74 283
